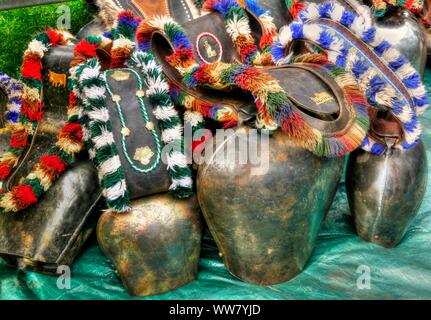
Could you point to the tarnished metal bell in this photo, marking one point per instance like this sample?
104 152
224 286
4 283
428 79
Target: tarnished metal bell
407 34
385 192
155 247
265 217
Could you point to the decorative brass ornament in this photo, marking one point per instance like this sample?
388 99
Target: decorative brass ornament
119 75
143 155
140 93
116 98
57 79
321 98
211 53
149 126
125 132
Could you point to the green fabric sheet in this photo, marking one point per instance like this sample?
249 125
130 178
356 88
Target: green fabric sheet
402 272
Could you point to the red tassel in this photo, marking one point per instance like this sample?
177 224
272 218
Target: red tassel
33 112
267 40
53 164
19 139
296 8
4 171
31 68
23 196
202 76
72 100
181 58
55 38
71 131
84 48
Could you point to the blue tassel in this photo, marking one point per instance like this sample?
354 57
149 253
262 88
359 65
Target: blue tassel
325 9
413 81
277 51
326 39
407 146
254 7
347 19
378 149
382 47
180 40
12 116
421 101
297 30
359 68
395 65
369 35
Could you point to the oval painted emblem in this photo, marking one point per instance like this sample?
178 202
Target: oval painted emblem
209 48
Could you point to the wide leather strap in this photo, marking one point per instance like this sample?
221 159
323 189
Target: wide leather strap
139 141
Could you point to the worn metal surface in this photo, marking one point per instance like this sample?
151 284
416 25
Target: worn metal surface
155 248
385 192
93 28
407 34
51 232
265 220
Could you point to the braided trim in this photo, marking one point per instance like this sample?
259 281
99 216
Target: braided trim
31 102
377 84
13 89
